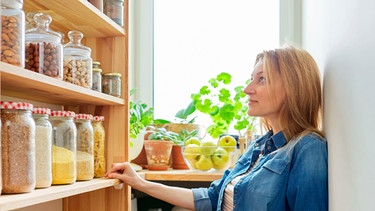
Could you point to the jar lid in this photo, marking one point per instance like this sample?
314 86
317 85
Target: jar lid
17 4
112 74
40 110
16 105
63 113
98 118
74 46
95 69
42 31
96 63
83 116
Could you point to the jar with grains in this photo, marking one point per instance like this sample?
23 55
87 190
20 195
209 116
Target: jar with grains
114 9
43 147
64 147
43 48
99 146
77 61
12 32
85 147
17 147
111 84
96 77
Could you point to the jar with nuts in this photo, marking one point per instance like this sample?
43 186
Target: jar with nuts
12 32
77 61
43 48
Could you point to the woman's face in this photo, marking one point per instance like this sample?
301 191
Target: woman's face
262 103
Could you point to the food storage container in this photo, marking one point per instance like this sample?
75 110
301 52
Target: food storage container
96 77
111 84
99 146
77 61
64 147
17 147
43 147
85 147
114 9
44 51
12 32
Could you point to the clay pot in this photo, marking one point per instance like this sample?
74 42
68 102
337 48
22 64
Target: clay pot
158 154
178 161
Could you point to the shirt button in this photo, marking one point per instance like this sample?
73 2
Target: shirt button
269 147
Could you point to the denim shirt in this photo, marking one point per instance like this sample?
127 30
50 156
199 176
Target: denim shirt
287 177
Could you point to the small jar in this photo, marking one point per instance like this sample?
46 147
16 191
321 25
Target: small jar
111 84
43 147
114 9
96 77
64 147
12 32
99 146
85 147
44 52
18 147
77 61
98 4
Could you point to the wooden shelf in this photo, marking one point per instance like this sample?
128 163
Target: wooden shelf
76 15
15 201
181 175
49 90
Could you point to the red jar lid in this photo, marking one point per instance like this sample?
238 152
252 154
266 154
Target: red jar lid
16 105
63 113
83 116
98 118
40 110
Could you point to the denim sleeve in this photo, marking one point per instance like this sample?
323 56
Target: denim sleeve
308 179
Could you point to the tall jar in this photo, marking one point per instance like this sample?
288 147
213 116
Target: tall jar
111 84
43 147
114 9
17 147
64 148
77 61
99 146
44 51
96 77
85 147
12 32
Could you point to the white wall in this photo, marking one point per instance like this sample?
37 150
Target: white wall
340 35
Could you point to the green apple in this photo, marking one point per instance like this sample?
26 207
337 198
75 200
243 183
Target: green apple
228 142
220 158
208 148
193 140
204 163
191 152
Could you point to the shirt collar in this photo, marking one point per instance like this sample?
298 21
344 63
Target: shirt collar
272 142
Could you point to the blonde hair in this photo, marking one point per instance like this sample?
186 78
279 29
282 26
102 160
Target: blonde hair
301 112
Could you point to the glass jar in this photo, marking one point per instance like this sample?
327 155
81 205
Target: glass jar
85 147
12 32
44 52
64 148
77 61
96 77
111 84
17 147
30 23
99 146
43 147
114 9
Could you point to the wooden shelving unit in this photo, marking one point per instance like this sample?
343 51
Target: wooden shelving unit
181 175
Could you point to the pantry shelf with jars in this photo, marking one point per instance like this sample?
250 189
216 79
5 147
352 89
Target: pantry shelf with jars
109 45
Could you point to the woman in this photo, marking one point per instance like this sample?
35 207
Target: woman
286 169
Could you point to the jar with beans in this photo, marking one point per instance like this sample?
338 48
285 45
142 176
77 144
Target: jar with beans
43 48
77 61
43 147
64 148
96 77
99 146
12 32
111 84
17 147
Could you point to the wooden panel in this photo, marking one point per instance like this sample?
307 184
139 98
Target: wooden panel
181 175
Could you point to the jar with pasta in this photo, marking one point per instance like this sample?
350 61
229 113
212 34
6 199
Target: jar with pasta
43 147
99 146
85 147
64 148
12 32
17 147
43 48
77 61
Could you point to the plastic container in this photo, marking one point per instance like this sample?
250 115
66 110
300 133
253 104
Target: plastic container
111 84
85 147
64 147
77 61
96 77
43 147
18 147
114 9
99 146
44 51
12 32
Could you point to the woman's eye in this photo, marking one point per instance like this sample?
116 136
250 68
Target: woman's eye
262 79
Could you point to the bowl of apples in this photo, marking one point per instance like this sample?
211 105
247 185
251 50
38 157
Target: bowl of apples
209 156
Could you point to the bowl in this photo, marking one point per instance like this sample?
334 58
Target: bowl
208 158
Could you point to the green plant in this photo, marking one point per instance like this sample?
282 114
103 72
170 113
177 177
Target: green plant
226 106
140 116
184 136
163 135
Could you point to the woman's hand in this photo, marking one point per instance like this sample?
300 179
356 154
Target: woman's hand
125 173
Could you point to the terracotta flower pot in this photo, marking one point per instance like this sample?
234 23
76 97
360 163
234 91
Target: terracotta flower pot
158 154
178 161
